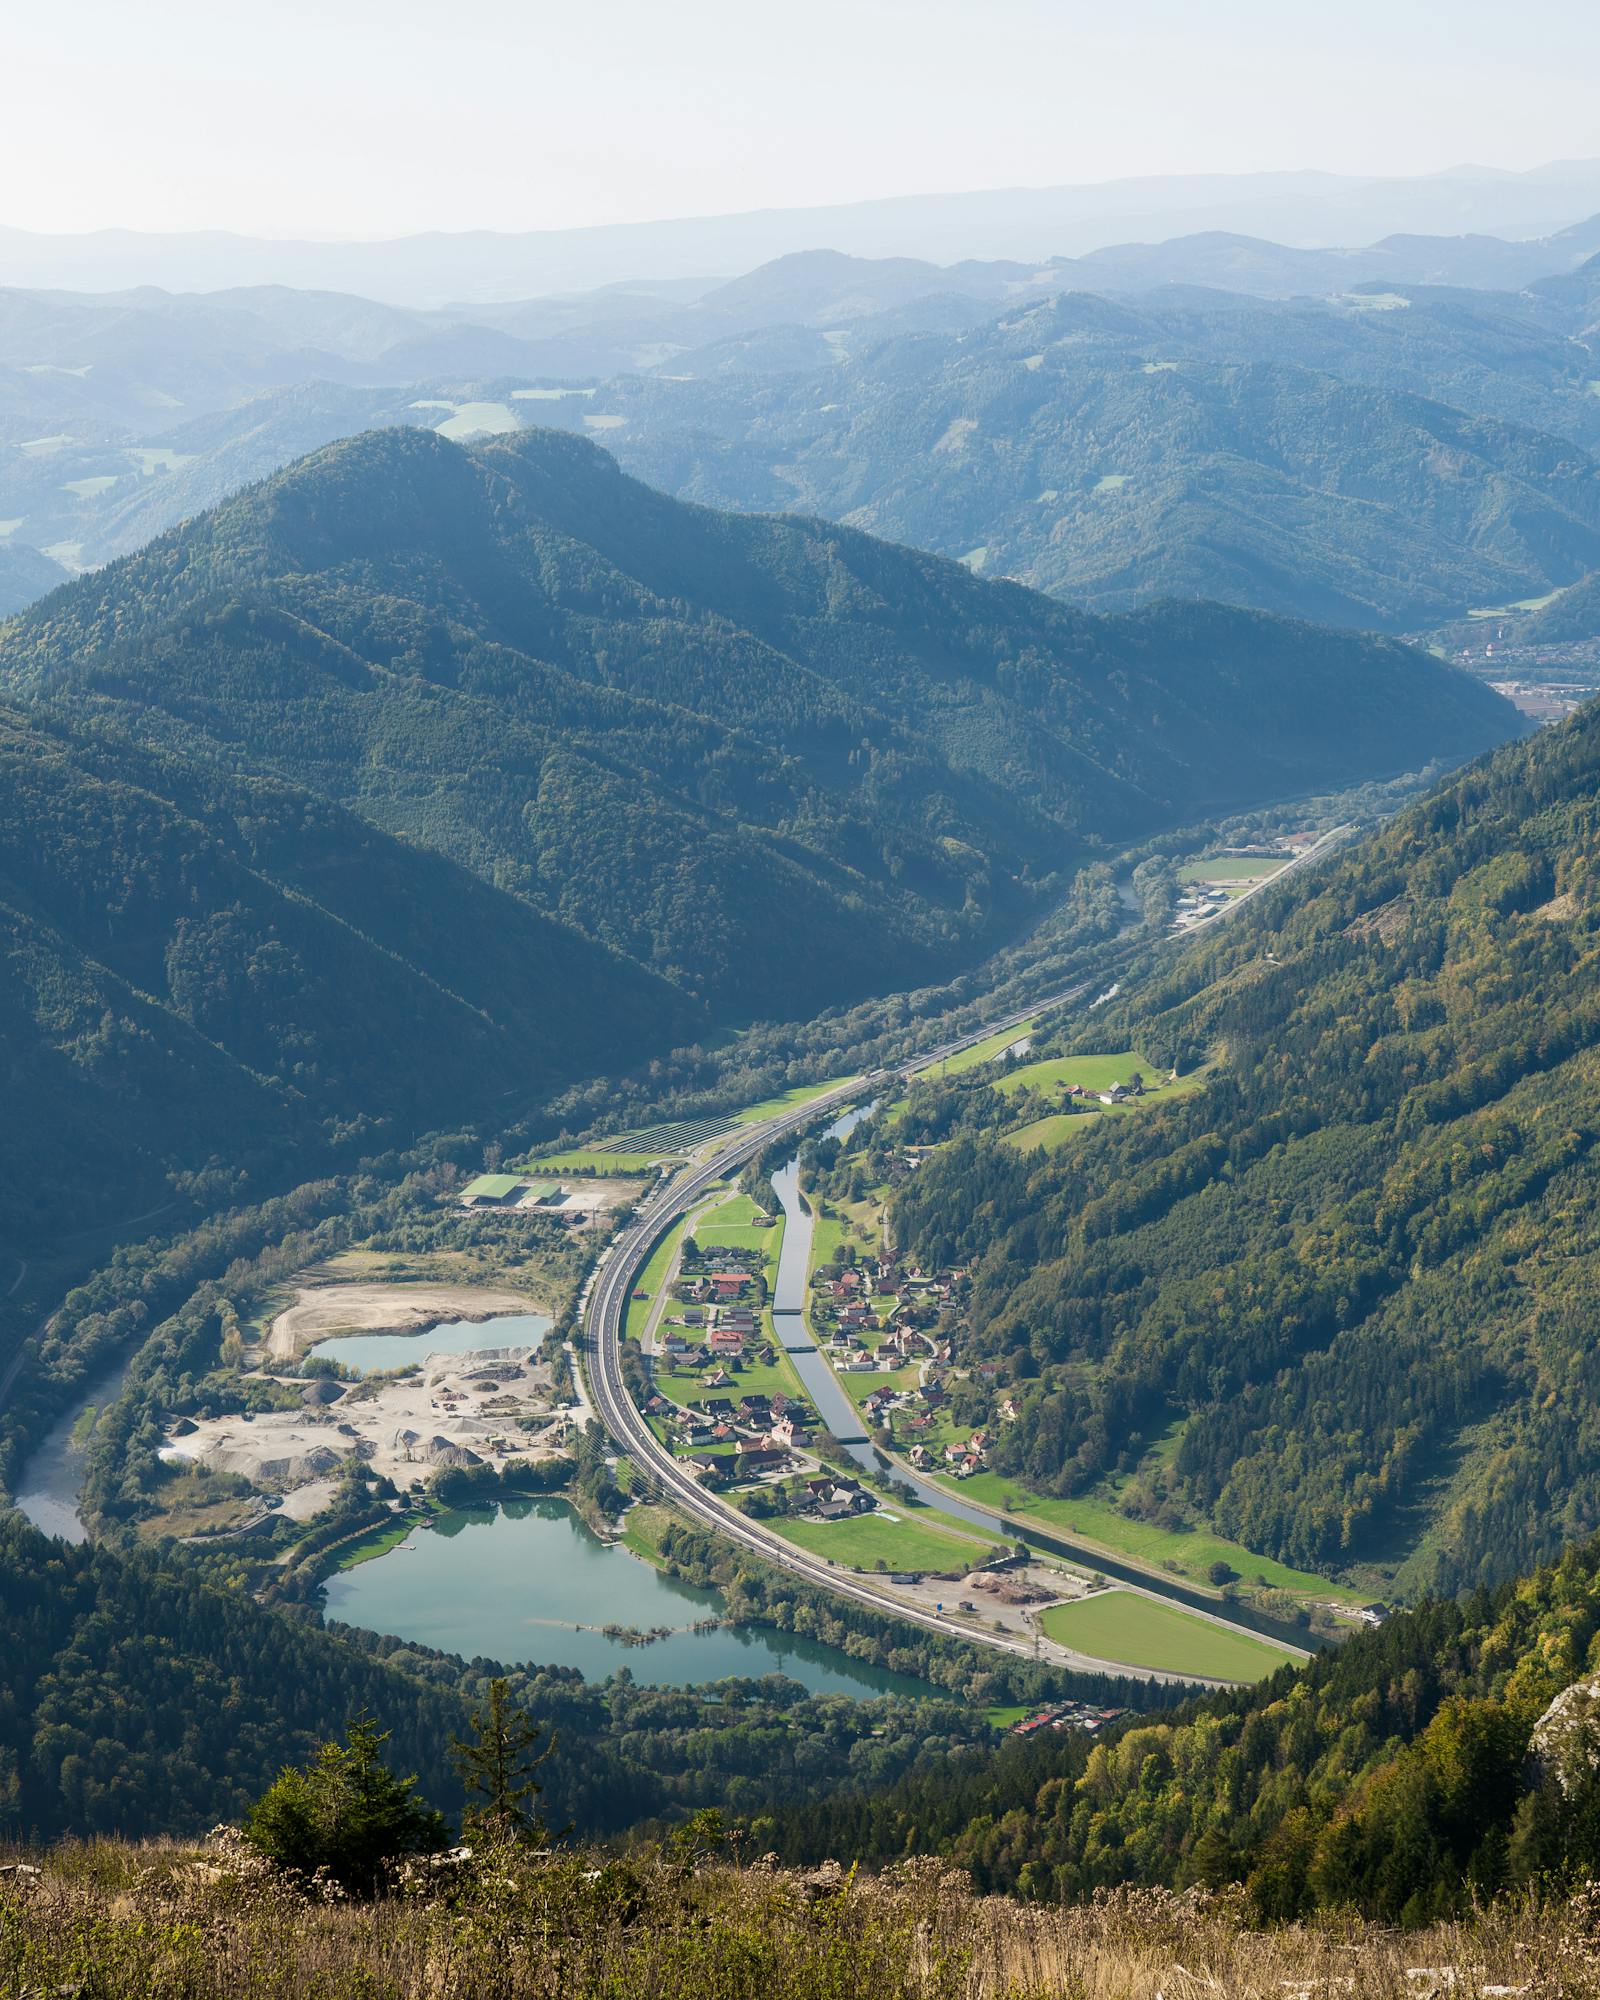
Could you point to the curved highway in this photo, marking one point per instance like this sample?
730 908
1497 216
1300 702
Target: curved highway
606 1302
611 1284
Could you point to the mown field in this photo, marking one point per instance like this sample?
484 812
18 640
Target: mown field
984 1051
900 1543
791 1100
1190 1552
1094 1073
1233 868
1136 1631
1052 1131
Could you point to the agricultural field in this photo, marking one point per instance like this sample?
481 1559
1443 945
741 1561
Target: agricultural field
1050 1133
650 1282
1186 1552
895 1539
736 1224
1138 1632
587 1159
1233 868
790 1100
986 1050
1096 1073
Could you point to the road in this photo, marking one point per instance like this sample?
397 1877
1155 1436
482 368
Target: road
605 1310
611 1284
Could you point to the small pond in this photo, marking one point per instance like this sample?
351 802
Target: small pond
373 1353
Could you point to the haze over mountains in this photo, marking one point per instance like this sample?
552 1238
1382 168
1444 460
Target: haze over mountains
1301 209
436 716
1385 451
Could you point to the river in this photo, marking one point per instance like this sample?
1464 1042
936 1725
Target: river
48 1492
841 1417
527 1581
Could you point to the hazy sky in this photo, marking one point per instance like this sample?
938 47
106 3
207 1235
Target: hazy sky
375 117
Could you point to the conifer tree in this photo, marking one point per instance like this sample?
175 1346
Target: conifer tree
496 1765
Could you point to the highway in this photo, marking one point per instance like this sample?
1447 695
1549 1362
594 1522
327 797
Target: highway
605 1310
611 1286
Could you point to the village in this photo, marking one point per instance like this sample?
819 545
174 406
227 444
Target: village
734 1431
728 1430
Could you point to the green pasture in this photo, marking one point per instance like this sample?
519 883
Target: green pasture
1135 1631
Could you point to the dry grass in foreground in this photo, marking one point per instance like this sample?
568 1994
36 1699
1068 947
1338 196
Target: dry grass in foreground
119 1922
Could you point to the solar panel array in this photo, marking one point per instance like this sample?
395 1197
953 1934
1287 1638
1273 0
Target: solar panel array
679 1137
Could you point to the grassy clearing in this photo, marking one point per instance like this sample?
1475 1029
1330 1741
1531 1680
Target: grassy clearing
643 1527
735 1224
859 1385
650 1282
903 1543
1189 1552
1051 1133
752 1378
1093 1073
1233 868
791 1100
1003 1717
1137 1632
984 1051
378 1543
623 1166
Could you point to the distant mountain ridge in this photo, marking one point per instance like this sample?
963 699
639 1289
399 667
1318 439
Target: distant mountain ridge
1177 439
1023 223
1101 452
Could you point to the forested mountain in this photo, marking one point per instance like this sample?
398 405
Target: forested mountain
1392 1775
25 575
139 1696
1336 1302
662 725
206 970
1571 617
986 410
1111 455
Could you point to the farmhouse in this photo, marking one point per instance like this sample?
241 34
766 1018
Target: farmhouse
756 1456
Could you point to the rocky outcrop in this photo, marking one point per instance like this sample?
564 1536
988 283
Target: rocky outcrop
1566 1739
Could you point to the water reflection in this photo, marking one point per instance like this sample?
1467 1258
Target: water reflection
526 1580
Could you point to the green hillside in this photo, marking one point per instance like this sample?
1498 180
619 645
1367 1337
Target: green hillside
1571 617
1259 456
1392 1775
1334 1304
663 726
213 983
